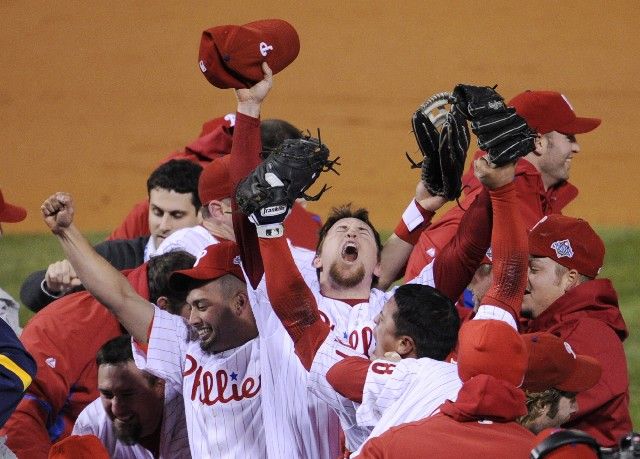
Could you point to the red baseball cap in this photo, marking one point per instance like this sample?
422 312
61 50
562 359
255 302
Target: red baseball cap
569 241
10 213
231 56
547 111
554 443
491 347
553 364
79 447
214 262
215 181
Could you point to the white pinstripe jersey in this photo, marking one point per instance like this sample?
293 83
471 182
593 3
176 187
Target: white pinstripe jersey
299 424
412 389
221 392
174 442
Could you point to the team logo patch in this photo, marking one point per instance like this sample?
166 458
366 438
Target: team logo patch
51 362
563 248
265 48
200 257
202 66
489 254
236 260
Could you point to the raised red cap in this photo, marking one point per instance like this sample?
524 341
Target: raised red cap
215 181
79 447
547 111
231 56
10 213
570 242
215 261
554 365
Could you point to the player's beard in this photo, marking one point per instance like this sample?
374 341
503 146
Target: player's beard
207 345
346 279
128 432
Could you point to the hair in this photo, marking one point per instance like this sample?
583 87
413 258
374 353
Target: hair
538 401
179 175
159 270
117 351
429 318
273 132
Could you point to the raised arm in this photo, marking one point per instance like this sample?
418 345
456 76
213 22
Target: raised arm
102 280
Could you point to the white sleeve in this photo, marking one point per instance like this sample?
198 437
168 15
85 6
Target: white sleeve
166 350
488 312
386 382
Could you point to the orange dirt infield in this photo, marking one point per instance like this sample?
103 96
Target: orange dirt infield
93 94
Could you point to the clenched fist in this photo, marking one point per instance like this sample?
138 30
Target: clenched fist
57 211
492 176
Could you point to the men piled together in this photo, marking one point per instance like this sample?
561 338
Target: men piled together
237 332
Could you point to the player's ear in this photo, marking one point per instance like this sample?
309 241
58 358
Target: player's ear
240 302
405 346
317 262
570 279
540 143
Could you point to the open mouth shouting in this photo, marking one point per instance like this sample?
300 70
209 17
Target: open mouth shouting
350 251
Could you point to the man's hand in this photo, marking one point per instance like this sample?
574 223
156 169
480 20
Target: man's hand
61 277
250 100
426 200
493 177
57 212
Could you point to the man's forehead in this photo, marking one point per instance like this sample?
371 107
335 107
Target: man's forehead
117 375
351 222
161 197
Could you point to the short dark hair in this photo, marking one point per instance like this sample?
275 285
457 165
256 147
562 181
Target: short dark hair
179 175
273 132
159 270
345 211
429 318
115 351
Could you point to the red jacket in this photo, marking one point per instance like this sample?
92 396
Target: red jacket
64 339
479 424
588 318
535 203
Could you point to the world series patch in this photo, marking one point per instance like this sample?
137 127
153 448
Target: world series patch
563 248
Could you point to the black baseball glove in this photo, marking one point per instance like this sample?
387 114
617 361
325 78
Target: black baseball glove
443 138
267 194
501 132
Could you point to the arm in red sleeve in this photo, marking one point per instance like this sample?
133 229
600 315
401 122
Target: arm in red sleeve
348 376
456 263
510 252
292 300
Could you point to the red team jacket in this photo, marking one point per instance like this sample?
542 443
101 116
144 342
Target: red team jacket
588 318
64 339
535 203
479 424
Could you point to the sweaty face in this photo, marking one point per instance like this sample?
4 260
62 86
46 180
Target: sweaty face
212 317
349 252
385 331
169 211
544 286
555 160
133 403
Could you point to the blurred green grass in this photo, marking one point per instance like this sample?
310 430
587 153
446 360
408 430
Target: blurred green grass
25 253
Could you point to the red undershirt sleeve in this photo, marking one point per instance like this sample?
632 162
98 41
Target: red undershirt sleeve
245 157
510 252
292 300
456 263
348 376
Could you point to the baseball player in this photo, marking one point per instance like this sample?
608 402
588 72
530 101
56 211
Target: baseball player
137 415
213 363
541 177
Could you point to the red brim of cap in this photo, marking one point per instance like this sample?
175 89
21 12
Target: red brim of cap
180 280
12 214
586 375
580 126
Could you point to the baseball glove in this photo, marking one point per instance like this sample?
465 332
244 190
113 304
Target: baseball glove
443 138
501 132
285 176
